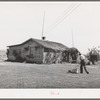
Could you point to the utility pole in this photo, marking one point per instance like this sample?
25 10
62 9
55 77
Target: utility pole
72 39
43 24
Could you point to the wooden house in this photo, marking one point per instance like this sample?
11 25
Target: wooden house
36 51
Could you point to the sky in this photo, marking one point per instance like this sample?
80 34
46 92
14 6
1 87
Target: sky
70 23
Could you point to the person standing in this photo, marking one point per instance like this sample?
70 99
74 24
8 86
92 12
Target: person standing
83 64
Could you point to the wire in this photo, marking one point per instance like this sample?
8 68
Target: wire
63 18
64 13
67 14
60 17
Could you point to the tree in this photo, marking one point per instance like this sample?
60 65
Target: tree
93 55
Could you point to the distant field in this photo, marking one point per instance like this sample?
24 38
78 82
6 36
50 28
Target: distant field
3 55
23 75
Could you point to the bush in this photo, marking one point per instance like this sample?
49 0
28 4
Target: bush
19 59
93 55
18 56
73 53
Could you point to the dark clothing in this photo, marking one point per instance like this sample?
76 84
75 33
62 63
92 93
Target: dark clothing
83 64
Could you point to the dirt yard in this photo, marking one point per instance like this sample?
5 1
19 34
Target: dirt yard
23 75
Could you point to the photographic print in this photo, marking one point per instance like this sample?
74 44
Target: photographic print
49 45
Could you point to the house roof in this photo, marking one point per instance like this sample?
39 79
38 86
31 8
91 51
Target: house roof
46 44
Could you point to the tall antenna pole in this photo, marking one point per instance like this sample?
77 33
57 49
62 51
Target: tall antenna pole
72 39
43 24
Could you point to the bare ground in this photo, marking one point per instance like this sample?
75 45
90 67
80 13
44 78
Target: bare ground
23 75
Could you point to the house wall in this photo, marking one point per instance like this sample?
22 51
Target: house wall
30 51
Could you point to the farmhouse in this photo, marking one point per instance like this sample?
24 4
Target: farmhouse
37 51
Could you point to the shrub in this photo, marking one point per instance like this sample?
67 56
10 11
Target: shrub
93 55
73 53
18 56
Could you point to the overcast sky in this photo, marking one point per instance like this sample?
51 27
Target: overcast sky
20 21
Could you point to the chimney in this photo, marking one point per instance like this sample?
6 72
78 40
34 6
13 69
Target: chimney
43 38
